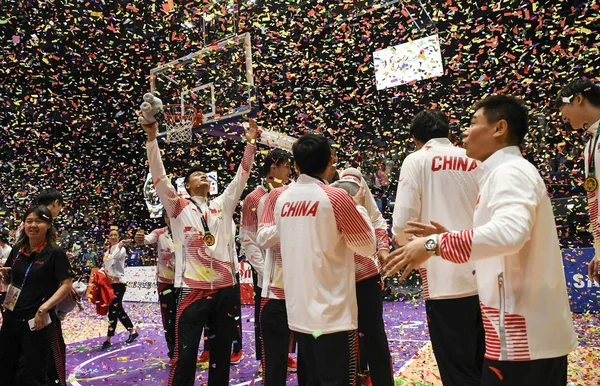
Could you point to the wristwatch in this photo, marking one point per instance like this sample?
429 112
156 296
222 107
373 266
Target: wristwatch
431 244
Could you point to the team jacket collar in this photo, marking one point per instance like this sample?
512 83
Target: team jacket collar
306 179
594 127
200 199
438 142
499 157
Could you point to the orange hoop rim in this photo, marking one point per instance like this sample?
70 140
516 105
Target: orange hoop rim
178 117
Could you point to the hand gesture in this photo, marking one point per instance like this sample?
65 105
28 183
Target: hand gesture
40 320
251 133
411 256
382 256
150 129
423 230
139 237
359 197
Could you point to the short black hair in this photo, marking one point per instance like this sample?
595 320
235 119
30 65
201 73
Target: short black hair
48 196
275 157
429 124
191 171
4 236
312 154
584 87
509 108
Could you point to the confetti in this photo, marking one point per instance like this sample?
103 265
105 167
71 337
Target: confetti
71 81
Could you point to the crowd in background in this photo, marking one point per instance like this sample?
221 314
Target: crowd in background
84 222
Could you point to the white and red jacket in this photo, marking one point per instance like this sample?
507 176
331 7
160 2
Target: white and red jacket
369 266
517 257
165 266
251 212
4 252
319 228
593 196
198 265
268 238
440 183
114 262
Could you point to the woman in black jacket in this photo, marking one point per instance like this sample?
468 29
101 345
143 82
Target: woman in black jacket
40 277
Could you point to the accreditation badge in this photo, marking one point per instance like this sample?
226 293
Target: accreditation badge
12 295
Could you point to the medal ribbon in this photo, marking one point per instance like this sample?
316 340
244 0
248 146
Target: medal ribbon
592 156
202 219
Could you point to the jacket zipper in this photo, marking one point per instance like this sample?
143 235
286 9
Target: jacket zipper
232 262
272 273
212 283
501 320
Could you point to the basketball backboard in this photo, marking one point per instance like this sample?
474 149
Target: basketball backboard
218 80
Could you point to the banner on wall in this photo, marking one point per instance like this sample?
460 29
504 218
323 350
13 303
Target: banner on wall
583 293
141 284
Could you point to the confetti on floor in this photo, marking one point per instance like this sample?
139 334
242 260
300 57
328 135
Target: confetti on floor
145 361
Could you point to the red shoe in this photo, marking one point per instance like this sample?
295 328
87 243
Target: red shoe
236 357
292 365
366 381
204 357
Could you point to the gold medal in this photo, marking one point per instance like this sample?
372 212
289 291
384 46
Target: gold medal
590 184
209 239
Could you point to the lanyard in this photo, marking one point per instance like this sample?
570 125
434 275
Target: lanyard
27 270
27 273
592 155
204 223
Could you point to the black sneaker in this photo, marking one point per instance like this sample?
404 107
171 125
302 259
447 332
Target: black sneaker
105 345
132 337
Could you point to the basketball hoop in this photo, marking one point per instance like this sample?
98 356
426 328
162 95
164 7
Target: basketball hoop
180 119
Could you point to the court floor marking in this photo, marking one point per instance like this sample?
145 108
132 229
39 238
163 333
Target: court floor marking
408 362
252 381
83 364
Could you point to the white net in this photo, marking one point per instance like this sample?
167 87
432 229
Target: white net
179 120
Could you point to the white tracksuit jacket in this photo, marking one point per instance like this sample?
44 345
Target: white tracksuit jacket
517 257
198 265
319 229
440 183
